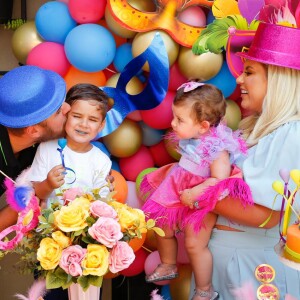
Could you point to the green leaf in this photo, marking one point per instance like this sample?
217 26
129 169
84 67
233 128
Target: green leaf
83 281
52 281
95 280
150 223
158 231
78 233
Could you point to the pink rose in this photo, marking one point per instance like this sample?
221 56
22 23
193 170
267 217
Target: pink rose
71 259
72 193
106 231
121 257
102 209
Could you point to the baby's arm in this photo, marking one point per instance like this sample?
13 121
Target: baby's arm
220 169
54 180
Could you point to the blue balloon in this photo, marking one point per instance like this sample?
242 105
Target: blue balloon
53 21
224 81
165 292
123 56
115 166
151 136
101 146
90 47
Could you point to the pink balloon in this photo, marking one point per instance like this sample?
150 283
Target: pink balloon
87 11
133 165
49 56
137 265
134 116
161 116
132 198
160 154
193 16
151 262
182 256
176 77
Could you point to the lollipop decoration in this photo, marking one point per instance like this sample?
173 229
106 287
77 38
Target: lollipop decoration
70 175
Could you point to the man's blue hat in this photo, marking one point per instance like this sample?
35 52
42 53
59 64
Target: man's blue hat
29 95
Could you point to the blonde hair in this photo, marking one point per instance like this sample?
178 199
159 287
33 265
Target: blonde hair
281 104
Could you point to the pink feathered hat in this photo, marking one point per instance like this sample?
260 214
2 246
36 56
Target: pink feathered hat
275 45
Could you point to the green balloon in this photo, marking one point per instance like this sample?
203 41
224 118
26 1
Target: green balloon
139 179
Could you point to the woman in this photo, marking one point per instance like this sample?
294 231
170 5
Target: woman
244 237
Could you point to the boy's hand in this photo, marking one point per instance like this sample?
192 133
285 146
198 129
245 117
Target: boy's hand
56 176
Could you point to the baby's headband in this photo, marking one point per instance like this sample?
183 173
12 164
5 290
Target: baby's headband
189 86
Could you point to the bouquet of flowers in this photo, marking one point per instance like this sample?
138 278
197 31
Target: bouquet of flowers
78 242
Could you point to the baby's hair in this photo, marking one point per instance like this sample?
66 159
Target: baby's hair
86 91
208 103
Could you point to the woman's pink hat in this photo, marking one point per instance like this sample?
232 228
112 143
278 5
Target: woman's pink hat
275 45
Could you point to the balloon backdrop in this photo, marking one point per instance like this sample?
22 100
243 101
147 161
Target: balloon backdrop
123 56
161 116
90 47
233 114
131 166
151 136
139 180
49 56
224 80
202 67
125 141
75 76
160 154
150 241
137 243
180 286
23 40
132 198
194 16
142 41
87 11
53 21
171 147
176 77
120 186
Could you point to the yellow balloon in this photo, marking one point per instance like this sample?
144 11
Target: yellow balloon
117 28
233 114
125 140
202 67
24 39
143 5
180 286
143 39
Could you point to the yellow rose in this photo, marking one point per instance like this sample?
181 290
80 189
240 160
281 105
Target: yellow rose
95 261
81 201
127 219
49 253
71 218
142 221
62 240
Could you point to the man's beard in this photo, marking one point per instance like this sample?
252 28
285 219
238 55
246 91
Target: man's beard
50 134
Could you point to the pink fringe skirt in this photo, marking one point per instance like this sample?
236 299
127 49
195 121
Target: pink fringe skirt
161 190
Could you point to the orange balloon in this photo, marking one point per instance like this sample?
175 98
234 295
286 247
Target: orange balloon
150 241
120 186
137 243
75 76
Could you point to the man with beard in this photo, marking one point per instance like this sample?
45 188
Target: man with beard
32 110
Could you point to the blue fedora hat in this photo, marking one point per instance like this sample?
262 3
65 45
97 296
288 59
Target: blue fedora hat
29 95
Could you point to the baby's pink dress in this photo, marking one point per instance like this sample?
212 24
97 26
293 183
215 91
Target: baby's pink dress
162 187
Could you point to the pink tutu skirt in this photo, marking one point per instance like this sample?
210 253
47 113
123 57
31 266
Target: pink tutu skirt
161 189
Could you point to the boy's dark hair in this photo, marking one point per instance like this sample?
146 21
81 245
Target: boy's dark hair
208 103
86 91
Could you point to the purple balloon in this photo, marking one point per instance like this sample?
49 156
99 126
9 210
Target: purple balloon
285 175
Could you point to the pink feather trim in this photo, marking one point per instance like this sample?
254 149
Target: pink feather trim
245 292
35 292
10 198
233 187
155 295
